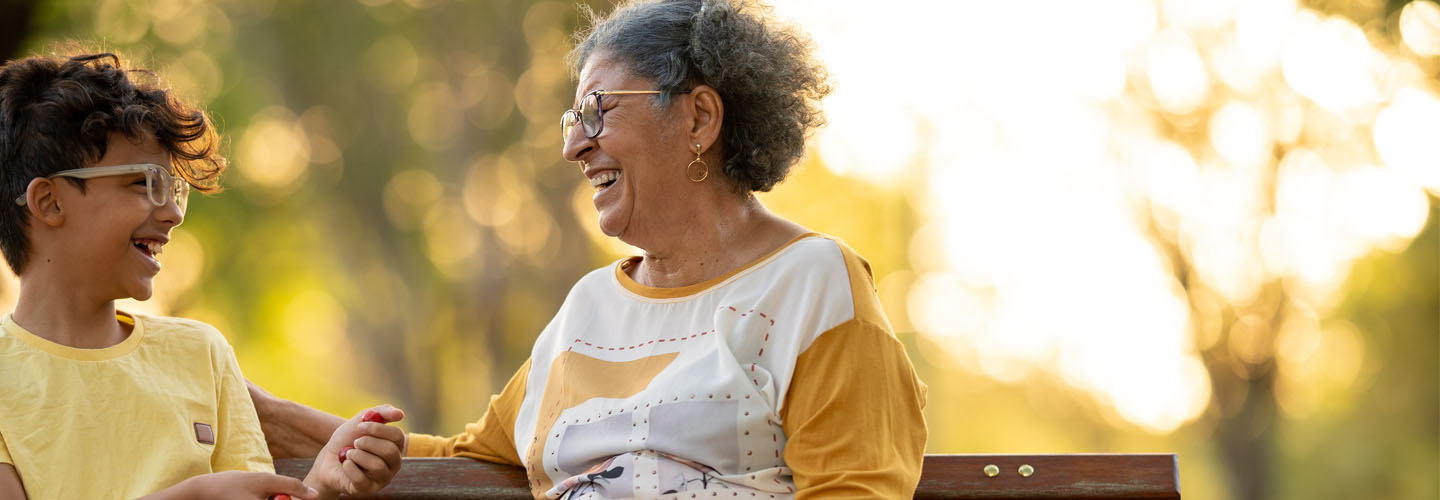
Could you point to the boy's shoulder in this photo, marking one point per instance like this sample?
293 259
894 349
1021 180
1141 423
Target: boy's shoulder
185 331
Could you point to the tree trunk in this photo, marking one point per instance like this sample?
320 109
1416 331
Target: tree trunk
14 26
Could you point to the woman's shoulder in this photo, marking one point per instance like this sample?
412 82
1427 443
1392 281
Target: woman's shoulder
817 253
828 263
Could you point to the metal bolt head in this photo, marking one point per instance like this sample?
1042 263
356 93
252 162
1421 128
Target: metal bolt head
991 470
1026 470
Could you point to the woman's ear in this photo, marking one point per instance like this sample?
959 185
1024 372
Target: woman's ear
43 202
709 114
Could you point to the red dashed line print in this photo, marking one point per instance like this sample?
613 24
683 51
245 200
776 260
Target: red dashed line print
682 337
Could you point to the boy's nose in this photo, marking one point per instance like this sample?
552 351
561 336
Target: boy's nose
171 213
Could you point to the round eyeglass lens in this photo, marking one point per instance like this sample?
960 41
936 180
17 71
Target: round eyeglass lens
590 115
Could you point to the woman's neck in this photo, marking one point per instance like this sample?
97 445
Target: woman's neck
712 243
59 312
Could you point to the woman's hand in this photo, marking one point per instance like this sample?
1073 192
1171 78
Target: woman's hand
371 452
238 485
292 430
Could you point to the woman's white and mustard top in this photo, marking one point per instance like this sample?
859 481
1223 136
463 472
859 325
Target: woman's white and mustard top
781 379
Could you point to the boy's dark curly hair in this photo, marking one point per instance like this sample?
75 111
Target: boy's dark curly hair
765 73
57 113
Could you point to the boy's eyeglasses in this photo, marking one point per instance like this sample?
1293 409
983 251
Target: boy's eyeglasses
591 116
160 186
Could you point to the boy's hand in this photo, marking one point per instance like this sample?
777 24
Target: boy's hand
372 457
238 485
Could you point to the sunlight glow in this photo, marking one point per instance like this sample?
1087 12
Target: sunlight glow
1405 136
1177 75
850 147
1240 135
1061 179
1329 62
1420 25
1379 206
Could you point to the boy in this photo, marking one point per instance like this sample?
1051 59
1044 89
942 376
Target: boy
96 163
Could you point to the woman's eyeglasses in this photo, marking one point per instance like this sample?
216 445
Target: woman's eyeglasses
591 115
160 186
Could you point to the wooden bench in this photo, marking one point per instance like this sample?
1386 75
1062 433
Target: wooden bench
1051 477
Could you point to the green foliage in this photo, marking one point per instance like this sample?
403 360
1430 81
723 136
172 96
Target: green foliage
399 225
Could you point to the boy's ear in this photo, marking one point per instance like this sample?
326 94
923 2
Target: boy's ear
43 203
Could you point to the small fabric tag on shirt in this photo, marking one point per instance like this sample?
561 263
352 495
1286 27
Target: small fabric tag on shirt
204 434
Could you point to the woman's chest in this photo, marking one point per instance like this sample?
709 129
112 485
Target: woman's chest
694 398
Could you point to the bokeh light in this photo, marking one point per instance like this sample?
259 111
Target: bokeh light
1110 226
275 152
1420 25
1023 172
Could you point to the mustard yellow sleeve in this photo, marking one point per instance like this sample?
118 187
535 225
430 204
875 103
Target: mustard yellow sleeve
492 439
239 442
853 416
5 452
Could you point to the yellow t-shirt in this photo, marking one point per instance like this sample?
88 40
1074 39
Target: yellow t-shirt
165 404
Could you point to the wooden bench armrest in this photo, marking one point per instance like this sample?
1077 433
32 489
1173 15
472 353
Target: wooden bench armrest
1054 477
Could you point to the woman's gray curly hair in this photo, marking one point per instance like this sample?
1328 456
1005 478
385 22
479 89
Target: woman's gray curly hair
765 73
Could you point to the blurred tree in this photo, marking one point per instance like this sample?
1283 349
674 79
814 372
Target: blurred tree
1242 364
14 26
400 225
398 212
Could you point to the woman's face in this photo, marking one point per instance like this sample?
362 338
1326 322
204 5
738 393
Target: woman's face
636 163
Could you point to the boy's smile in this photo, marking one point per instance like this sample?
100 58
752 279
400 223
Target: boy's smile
112 233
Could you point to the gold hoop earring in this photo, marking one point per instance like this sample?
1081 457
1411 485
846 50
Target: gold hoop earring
704 171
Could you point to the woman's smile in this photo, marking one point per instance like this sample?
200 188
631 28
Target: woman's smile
605 179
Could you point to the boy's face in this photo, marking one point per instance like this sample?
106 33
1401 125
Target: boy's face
111 228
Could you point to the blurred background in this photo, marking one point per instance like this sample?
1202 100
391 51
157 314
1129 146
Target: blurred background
1205 227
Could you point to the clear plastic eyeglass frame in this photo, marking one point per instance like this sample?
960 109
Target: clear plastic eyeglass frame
160 186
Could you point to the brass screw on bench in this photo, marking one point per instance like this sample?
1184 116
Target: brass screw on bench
1026 470
991 470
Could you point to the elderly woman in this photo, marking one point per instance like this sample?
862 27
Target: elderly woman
747 354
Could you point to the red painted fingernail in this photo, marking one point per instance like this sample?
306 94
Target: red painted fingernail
372 416
282 496
343 451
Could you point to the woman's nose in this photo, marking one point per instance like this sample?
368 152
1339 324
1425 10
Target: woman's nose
577 146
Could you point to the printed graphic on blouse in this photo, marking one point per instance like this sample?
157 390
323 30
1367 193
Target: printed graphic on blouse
654 392
610 432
